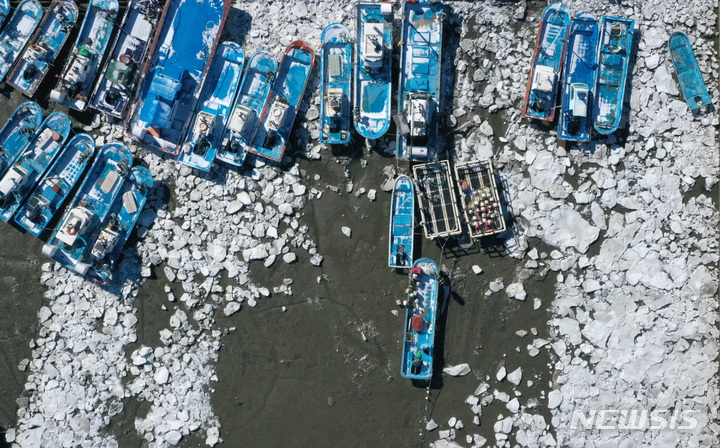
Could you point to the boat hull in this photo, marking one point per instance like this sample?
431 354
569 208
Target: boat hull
78 76
688 72
372 89
121 72
420 322
253 95
402 224
20 180
575 123
335 84
278 117
120 222
547 63
205 133
17 133
55 186
44 46
16 34
171 86
616 35
419 93
79 227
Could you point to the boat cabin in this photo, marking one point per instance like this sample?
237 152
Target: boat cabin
12 181
543 84
76 224
334 102
373 44
277 114
579 95
419 111
239 119
105 243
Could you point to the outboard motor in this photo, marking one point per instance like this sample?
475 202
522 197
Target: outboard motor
112 96
30 72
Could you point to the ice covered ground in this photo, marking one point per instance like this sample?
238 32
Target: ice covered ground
634 324
634 315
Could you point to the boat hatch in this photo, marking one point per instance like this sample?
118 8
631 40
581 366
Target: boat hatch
335 65
544 79
109 182
129 202
579 99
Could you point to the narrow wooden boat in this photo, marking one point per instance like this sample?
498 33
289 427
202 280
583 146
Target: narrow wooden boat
616 35
121 72
688 72
420 319
172 83
19 181
547 63
17 133
335 84
119 223
78 76
16 34
479 198
579 79
204 136
402 224
72 240
373 68
44 46
54 188
280 112
419 92
435 193
253 94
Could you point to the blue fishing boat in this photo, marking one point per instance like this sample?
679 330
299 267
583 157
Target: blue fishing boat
280 111
17 183
335 84
79 227
16 34
547 63
204 136
688 72
373 69
579 79
44 46
616 35
171 86
402 223
420 316
78 76
119 223
252 96
4 11
17 133
419 92
55 186
121 72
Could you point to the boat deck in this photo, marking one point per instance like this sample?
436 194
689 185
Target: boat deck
479 198
436 199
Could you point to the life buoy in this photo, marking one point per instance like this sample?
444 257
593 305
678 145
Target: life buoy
72 231
125 59
203 126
